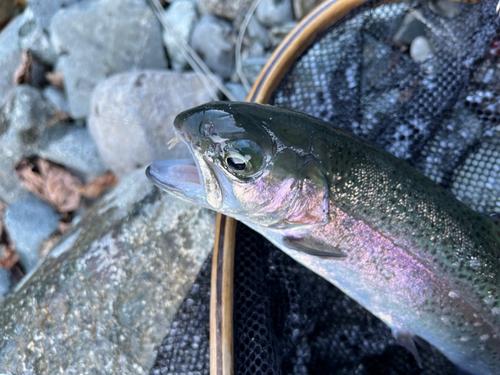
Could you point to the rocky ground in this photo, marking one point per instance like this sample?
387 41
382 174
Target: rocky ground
88 92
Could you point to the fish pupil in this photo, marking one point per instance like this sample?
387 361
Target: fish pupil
236 163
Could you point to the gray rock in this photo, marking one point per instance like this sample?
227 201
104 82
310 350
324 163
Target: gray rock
238 90
34 39
274 12
106 294
302 8
212 39
23 119
181 14
278 33
257 33
57 98
252 67
10 56
445 8
132 116
420 49
30 221
44 10
73 147
99 39
409 29
229 9
5 282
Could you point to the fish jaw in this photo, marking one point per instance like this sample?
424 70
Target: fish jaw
180 177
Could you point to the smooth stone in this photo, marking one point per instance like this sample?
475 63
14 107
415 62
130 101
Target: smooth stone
104 297
257 33
181 14
23 119
420 49
72 146
252 67
410 29
445 8
29 222
5 282
44 10
212 39
302 8
238 90
10 56
57 97
98 39
274 12
228 9
278 33
33 38
132 116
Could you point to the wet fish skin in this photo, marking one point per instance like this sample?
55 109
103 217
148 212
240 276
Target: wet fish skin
390 238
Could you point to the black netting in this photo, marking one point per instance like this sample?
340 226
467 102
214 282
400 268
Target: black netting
440 115
185 348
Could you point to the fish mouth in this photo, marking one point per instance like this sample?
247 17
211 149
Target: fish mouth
180 177
193 180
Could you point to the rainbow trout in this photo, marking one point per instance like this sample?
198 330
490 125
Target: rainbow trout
390 238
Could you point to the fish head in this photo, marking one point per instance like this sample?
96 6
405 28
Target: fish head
242 169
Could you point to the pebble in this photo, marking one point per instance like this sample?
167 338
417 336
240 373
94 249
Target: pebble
181 15
445 8
212 40
228 9
133 113
278 33
409 29
33 38
238 90
5 283
57 97
103 298
72 146
420 49
302 8
256 33
44 10
123 38
252 67
10 56
23 120
29 222
274 12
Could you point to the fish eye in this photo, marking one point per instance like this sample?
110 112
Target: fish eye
206 128
243 158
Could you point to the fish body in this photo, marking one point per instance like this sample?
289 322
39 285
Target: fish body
387 236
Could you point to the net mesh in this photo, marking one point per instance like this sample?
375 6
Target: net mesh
440 113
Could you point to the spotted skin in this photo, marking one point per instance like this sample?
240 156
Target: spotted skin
404 248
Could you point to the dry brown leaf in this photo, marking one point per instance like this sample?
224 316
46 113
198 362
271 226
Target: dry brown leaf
95 187
55 79
22 73
50 182
9 257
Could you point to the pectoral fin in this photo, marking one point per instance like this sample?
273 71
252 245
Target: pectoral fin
311 205
312 247
406 339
